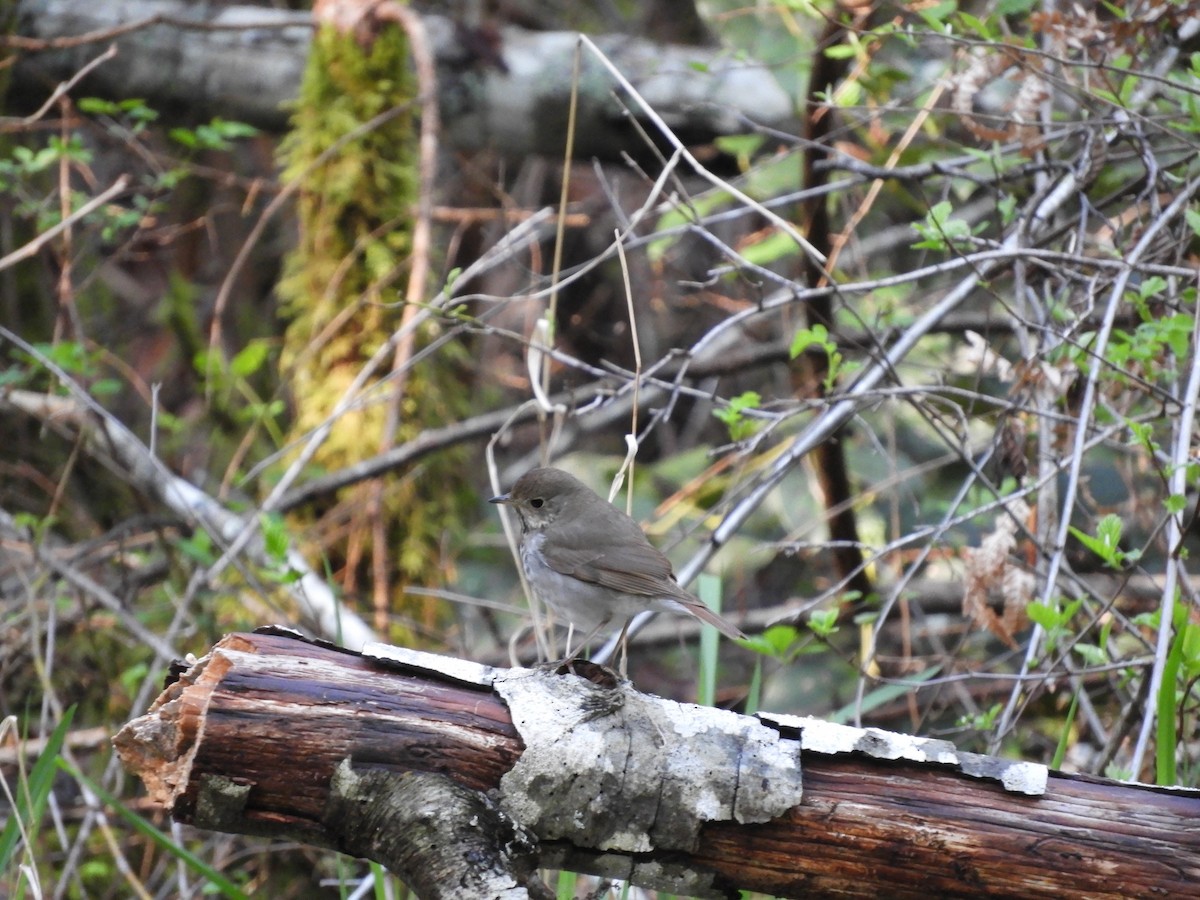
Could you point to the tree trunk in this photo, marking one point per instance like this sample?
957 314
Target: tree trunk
451 774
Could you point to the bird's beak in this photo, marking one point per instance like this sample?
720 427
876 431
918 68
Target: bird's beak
503 498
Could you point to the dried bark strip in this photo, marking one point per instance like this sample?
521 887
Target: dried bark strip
250 739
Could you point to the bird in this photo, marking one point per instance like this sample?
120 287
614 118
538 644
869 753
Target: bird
591 563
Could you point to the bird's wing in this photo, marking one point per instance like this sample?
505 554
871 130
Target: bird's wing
624 561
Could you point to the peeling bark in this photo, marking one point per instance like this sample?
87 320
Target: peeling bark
272 735
449 841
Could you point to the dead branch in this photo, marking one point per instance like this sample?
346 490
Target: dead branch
114 445
272 735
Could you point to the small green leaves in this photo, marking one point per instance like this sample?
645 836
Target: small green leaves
1007 207
806 337
740 427
741 147
818 336
198 547
250 358
132 113
784 643
1141 434
823 622
1053 618
776 641
218 134
276 544
940 230
1106 542
275 536
981 721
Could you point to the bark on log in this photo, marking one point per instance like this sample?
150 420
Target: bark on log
246 63
273 735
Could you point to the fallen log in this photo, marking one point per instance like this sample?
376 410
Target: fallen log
462 779
246 63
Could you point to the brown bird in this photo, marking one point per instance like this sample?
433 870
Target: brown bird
588 561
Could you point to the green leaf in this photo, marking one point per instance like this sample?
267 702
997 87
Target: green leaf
275 536
1167 708
95 106
133 677
1152 287
841 51
708 589
106 387
250 358
883 694
1041 614
772 248
1007 206
32 796
1052 618
216 135
1189 638
184 136
1142 435
974 25
1061 750
935 15
197 547
849 94
1091 654
776 641
983 721
683 216
823 622
933 229
731 414
1106 542
806 337
740 144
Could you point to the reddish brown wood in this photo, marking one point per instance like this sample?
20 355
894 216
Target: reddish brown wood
286 718
279 714
867 826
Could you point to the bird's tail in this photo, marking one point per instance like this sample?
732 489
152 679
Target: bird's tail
695 607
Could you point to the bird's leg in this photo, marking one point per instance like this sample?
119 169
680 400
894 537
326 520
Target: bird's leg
569 662
570 633
623 643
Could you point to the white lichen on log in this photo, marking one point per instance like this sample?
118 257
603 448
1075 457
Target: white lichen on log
616 770
819 736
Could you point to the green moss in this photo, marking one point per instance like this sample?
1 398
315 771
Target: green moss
341 291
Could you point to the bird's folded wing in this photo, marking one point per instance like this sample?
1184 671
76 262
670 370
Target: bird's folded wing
634 569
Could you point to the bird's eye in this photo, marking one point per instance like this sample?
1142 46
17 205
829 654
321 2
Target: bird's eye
536 502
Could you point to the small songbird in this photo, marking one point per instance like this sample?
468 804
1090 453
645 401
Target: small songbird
588 561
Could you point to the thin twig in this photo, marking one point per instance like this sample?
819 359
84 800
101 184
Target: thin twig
29 249
10 125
